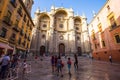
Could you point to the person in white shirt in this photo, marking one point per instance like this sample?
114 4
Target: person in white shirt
4 65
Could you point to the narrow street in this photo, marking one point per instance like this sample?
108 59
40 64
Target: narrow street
88 70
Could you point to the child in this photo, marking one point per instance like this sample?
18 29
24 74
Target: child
69 65
24 66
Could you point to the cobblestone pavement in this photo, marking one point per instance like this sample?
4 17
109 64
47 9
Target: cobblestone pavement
88 70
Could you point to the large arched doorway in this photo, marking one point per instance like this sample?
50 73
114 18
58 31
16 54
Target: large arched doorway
42 50
79 51
61 49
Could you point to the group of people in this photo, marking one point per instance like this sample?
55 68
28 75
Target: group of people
10 61
58 64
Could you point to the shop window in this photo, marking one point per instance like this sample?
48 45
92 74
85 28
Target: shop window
117 38
3 32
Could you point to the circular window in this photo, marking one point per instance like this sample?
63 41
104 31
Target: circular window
44 25
61 25
61 37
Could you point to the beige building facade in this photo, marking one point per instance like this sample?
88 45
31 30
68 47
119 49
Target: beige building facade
60 32
104 32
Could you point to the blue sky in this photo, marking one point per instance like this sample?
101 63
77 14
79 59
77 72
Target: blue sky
79 6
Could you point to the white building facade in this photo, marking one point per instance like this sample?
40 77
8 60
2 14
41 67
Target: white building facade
60 32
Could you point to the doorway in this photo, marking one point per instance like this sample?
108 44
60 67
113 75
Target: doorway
61 49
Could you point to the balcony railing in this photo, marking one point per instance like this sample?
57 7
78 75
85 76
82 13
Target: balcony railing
7 20
20 12
28 38
12 40
16 28
22 32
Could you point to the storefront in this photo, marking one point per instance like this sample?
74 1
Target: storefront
5 48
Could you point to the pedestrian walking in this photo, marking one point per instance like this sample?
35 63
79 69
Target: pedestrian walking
56 58
53 63
59 66
110 59
69 66
76 62
4 66
24 67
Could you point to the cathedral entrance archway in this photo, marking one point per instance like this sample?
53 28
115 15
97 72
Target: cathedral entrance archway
79 51
42 50
61 49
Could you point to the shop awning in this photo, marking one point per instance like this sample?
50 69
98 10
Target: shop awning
6 46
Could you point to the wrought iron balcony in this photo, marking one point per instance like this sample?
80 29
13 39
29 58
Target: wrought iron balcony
20 12
12 40
7 20
16 28
22 32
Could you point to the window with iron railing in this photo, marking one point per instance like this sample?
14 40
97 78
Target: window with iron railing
113 23
103 43
3 32
117 38
20 11
19 41
7 18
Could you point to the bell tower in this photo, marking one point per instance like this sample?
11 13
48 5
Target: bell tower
28 4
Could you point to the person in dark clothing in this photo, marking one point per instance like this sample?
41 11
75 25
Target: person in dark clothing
76 62
53 63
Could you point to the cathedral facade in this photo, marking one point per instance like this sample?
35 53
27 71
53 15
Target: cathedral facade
60 32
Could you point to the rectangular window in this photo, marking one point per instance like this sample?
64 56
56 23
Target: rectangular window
24 18
13 37
16 23
117 38
103 43
3 32
112 22
100 27
19 41
20 11
95 46
8 16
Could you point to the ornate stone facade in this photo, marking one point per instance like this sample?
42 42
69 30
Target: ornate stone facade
60 32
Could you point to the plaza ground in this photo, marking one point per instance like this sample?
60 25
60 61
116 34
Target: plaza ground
88 70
